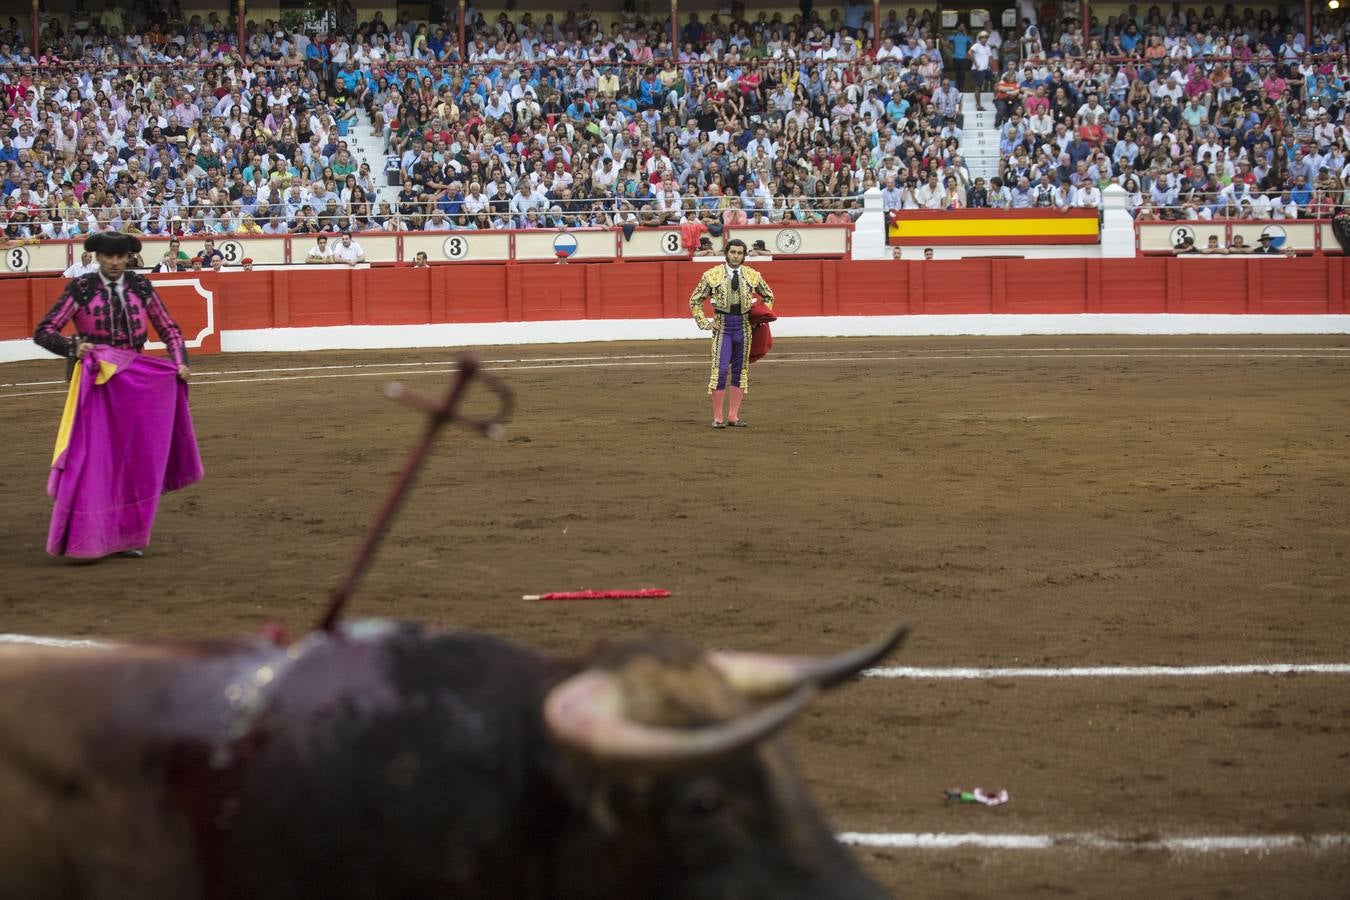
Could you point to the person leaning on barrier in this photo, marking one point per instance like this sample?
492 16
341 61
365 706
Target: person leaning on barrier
319 253
1267 247
209 252
705 247
1239 245
1213 247
348 251
1186 246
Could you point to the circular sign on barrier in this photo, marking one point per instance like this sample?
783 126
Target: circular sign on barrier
455 248
17 259
671 245
233 251
788 240
564 245
1178 235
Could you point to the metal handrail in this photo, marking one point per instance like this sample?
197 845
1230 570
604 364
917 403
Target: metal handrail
234 59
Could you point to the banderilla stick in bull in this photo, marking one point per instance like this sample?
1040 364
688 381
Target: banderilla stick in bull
438 414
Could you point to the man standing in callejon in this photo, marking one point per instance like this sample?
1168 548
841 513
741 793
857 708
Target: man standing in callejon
126 433
731 288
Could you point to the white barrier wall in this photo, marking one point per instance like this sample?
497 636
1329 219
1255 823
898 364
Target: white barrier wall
1288 234
577 244
654 243
458 246
796 240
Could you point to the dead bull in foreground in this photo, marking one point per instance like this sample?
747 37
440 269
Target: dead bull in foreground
385 760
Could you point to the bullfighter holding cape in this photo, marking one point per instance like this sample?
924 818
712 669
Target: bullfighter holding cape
731 288
126 433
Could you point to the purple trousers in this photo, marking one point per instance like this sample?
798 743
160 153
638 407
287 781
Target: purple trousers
732 351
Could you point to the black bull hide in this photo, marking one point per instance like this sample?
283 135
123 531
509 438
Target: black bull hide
388 761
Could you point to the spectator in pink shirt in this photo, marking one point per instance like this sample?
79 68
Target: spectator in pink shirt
1197 84
1037 103
1273 85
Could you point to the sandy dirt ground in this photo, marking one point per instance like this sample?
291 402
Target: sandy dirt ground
1036 501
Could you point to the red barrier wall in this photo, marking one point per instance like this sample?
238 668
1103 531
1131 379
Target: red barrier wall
300 298
194 300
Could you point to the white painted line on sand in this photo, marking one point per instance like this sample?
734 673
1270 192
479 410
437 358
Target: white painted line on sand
968 674
39 641
917 353
702 361
1070 840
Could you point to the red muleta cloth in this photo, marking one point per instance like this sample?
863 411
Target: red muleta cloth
761 341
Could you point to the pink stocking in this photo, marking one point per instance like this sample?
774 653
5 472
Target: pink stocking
717 404
734 407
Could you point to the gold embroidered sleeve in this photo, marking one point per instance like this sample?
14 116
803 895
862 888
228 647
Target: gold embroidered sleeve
765 292
701 293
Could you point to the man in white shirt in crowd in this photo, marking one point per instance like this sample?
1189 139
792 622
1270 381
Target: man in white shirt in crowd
929 194
1284 207
1092 107
348 251
275 225
980 54
83 267
475 201
1089 196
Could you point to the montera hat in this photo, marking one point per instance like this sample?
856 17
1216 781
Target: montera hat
112 242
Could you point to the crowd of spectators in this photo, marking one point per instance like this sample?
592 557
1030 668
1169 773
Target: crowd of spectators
1195 113
133 118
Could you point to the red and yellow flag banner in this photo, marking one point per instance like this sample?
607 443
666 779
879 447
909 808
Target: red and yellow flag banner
912 227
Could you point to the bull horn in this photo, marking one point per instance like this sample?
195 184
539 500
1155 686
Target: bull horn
763 676
586 714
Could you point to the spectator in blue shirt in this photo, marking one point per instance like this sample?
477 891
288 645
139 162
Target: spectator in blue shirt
960 43
1301 194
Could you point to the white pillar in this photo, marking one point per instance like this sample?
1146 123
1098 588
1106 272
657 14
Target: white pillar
869 232
1117 224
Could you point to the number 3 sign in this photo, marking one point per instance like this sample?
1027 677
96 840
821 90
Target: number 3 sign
17 259
456 248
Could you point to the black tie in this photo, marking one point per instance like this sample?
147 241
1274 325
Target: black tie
117 308
735 280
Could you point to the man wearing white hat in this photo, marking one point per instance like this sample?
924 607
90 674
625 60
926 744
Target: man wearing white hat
981 55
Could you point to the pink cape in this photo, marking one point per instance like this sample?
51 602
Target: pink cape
127 438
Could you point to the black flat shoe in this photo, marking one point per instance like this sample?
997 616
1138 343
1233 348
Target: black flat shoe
719 425
130 554
739 423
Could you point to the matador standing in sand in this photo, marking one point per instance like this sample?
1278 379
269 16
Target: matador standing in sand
731 288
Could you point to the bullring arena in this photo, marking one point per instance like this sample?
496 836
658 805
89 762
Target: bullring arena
1056 507
1059 379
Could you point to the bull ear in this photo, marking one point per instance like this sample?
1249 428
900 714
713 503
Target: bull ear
586 714
763 676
